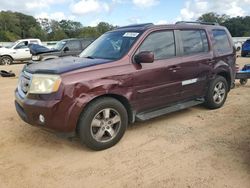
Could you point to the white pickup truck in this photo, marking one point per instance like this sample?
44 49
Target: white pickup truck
18 51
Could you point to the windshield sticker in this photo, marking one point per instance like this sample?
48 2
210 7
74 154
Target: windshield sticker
131 34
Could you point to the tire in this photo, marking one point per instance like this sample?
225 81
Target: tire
243 81
6 60
243 54
217 93
99 132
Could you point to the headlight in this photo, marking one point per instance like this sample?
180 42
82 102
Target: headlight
35 58
44 83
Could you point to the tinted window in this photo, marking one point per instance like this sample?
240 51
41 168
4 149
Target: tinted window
221 42
162 44
74 45
194 41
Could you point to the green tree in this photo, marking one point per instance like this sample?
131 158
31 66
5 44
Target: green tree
70 28
103 27
213 17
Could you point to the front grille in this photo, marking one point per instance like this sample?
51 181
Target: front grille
24 83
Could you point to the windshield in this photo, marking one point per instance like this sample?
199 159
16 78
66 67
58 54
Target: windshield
59 45
12 45
113 45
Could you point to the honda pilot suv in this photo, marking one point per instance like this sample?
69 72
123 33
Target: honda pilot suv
132 73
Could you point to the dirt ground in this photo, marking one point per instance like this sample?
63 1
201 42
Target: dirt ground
191 148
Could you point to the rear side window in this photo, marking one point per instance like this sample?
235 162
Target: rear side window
86 43
194 41
221 42
74 45
162 44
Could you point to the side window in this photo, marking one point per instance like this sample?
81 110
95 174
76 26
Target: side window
194 41
162 44
22 45
221 42
74 45
86 43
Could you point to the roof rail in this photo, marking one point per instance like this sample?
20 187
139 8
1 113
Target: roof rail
144 25
197 22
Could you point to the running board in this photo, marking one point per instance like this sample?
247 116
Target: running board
159 112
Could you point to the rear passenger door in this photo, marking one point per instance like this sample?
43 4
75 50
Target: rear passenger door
197 62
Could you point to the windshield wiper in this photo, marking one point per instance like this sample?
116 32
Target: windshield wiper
90 57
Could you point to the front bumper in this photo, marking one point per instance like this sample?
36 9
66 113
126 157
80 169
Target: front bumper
60 115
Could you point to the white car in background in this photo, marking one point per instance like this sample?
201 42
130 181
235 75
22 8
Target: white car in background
18 51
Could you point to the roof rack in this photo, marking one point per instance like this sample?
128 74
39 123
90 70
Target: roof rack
197 22
145 25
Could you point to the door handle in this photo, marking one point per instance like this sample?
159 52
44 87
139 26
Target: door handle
174 68
210 61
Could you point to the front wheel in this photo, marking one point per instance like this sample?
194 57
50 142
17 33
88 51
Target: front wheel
6 60
217 93
103 123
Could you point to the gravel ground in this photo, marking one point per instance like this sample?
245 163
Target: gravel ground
191 148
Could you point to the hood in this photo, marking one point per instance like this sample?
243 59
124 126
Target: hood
4 50
62 65
36 49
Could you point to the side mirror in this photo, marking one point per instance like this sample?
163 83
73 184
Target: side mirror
66 49
144 57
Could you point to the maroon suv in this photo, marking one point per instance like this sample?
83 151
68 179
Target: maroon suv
132 73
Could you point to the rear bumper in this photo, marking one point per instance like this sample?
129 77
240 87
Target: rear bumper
61 116
242 75
246 52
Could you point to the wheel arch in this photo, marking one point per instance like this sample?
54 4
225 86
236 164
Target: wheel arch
7 56
227 76
123 100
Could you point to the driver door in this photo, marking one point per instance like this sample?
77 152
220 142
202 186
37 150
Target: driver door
21 51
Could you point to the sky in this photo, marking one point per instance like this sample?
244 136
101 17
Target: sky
125 12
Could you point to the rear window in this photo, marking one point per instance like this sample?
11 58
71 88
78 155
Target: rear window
194 41
221 42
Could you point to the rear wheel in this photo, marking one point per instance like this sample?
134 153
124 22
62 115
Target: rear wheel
103 123
243 81
217 93
6 60
243 54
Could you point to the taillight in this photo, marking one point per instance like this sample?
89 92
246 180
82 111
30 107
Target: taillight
237 68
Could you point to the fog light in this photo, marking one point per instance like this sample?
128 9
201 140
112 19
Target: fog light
41 118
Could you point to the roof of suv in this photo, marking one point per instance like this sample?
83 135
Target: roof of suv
178 25
79 39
